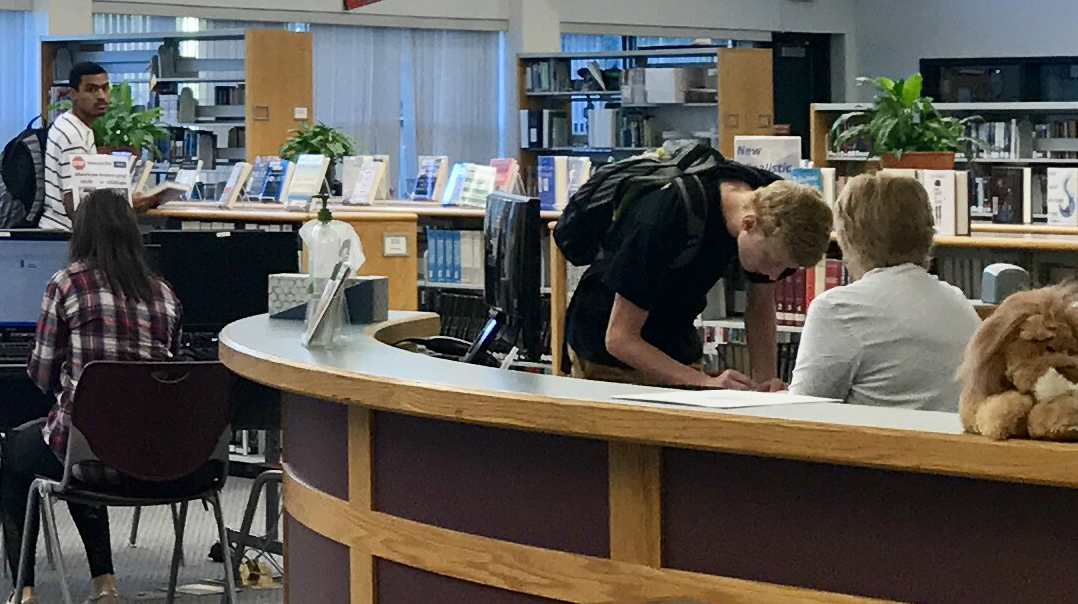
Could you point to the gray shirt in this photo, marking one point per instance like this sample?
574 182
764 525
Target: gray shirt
892 339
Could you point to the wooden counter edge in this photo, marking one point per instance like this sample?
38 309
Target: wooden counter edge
273 215
924 452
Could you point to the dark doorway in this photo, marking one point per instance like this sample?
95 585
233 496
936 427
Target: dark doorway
802 67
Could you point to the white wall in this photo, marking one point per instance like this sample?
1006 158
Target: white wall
894 35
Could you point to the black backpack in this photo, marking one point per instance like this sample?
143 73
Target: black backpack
22 178
592 210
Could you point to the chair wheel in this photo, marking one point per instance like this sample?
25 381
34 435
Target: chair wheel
217 553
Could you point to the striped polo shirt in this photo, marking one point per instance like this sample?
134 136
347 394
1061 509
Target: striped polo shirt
67 136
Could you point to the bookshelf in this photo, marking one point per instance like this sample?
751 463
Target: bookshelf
274 74
824 115
707 93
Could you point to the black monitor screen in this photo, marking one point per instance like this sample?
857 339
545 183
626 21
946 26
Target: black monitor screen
512 263
223 276
28 259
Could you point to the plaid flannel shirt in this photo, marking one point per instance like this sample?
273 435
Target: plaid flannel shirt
82 320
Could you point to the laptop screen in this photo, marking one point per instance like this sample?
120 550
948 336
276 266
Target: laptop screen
27 261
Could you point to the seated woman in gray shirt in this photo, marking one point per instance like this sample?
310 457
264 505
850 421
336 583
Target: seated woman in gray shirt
894 336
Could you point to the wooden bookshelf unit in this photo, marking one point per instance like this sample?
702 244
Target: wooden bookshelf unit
735 96
275 69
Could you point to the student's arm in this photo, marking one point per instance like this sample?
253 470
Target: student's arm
52 341
760 325
69 205
624 341
828 356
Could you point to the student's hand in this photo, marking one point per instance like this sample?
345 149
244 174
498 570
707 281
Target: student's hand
732 380
143 202
772 385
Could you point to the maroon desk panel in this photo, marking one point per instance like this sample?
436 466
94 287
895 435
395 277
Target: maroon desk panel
919 538
536 489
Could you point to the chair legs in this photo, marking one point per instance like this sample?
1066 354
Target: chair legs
51 528
132 539
222 534
261 481
40 501
180 522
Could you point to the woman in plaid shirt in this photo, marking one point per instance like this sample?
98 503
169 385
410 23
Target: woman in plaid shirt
106 305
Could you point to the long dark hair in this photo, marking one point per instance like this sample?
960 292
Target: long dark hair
105 236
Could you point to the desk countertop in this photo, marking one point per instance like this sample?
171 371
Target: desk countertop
273 211
268 351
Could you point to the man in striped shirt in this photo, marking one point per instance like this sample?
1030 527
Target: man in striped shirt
72 134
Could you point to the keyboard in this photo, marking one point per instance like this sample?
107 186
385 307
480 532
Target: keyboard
15 349
200 346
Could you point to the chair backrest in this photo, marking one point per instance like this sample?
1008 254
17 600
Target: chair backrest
154 421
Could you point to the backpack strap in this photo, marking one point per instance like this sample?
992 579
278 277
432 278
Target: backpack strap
693 195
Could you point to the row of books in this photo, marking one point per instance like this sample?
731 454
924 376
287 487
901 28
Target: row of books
559 177
544 129
725 348
554 75
464 183
455 256
795 293
230 95
1008 139
612 127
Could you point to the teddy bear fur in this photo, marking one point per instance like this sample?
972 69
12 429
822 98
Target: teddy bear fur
1020 372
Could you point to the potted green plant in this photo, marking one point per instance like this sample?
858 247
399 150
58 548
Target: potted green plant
124 126
905 129
318 139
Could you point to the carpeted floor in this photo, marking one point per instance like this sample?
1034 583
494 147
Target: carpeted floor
142 571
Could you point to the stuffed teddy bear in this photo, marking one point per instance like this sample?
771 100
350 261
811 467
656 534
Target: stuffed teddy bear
1020 372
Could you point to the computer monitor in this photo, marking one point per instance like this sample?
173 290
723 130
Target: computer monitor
512 270
222 276
28 260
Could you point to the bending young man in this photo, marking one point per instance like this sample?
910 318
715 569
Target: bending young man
632 316
105 306
895 336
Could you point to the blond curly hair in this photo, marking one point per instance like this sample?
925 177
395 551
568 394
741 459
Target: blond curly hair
797 217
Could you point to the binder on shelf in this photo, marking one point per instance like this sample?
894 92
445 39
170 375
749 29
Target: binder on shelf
142 176
430 183
307 180
579 173
1063 196
455 185
370 182
234 186
553 175
478 185
507 171
259 173
941 188
278 176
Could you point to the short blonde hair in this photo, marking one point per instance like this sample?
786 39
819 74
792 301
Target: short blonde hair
797 217
884 220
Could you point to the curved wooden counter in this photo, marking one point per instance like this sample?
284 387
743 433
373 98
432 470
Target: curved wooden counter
410 479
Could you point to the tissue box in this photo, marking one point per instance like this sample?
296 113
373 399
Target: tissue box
367 297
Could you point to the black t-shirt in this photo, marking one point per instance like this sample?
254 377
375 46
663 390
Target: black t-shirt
636 263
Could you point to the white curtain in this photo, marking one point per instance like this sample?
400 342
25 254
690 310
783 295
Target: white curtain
19 55
357 86
458 96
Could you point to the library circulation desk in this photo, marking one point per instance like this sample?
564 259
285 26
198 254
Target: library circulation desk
411 480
